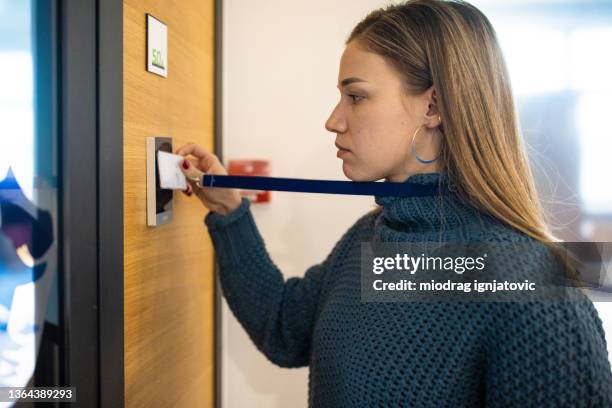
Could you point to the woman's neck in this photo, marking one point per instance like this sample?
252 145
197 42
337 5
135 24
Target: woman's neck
404 175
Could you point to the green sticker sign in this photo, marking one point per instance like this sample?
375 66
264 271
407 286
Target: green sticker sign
158 59
157 46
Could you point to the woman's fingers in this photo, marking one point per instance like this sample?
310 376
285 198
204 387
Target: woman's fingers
206 163
206 159
192 148
190 171
188 191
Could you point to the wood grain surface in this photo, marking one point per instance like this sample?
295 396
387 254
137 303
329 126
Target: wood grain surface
168 269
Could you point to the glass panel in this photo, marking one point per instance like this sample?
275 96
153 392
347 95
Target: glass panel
28 187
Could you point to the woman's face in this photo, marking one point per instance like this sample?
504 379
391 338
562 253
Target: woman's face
374 120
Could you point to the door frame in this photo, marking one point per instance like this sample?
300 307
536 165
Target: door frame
91 200
218 141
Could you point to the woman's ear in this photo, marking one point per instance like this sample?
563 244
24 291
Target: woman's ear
432 116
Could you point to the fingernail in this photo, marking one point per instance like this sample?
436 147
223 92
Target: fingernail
185 164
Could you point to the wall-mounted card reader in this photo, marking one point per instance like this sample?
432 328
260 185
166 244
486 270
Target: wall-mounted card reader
159 201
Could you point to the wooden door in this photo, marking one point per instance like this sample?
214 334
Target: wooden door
168 269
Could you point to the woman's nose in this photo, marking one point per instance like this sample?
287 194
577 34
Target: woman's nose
335 123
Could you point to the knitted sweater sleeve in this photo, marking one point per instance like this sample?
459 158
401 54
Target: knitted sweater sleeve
549 354
277 315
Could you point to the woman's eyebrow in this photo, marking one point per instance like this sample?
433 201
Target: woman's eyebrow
350 80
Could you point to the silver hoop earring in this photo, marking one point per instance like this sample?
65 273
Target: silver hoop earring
414 149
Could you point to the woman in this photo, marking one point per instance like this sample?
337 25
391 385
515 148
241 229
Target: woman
425 98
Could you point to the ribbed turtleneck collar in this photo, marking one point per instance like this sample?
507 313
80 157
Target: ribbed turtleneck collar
425 218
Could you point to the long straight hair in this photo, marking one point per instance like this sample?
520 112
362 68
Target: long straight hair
453 46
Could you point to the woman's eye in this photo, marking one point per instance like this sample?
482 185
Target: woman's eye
353 97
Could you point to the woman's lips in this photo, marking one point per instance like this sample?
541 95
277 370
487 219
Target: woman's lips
342 152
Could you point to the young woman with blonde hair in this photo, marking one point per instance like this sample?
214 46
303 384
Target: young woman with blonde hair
426 99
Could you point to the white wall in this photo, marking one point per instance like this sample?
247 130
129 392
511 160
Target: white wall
280 69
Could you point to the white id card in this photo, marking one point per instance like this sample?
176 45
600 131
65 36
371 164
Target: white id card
170 175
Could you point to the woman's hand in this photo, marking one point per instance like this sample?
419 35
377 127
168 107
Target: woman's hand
216 199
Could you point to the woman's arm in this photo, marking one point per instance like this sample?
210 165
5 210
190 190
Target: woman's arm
548 354
278 315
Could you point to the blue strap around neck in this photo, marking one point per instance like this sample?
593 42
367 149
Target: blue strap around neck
372 188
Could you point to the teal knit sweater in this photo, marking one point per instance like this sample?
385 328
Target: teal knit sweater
408 354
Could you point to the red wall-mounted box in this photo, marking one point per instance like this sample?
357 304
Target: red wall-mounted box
251 167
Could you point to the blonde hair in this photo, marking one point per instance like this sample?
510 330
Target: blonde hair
453 46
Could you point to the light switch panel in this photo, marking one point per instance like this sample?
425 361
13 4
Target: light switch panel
159 200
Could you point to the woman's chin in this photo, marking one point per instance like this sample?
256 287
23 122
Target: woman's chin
346 169
353 175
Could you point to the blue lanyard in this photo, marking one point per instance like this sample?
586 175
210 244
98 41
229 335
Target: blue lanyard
323 186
